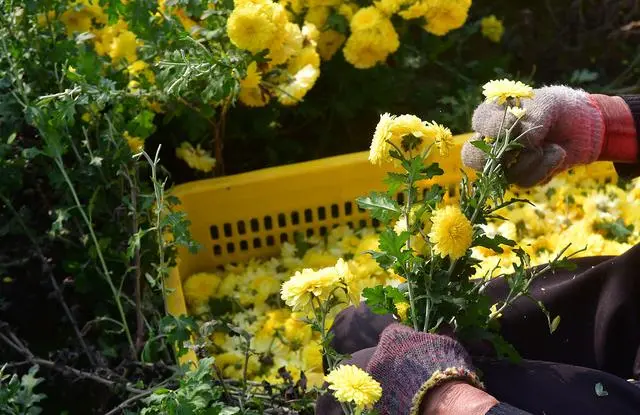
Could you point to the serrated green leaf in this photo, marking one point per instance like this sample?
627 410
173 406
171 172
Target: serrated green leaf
431 171
380 206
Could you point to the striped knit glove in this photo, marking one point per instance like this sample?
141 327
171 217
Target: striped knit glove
408 364
572 128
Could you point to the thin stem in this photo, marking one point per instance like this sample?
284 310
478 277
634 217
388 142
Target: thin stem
137 260
103 263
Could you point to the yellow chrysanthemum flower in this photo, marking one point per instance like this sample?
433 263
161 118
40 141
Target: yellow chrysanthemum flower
388 7
310 33
366 18
329 42
306 56
296 331
253 77
136 144
81 15
76 21
307 284
442 137
444 16
199 288
197 158
380 147
393 130
451 232
501 90
348 10
403 308
415 11
124 46
292 92
251 26
318 16
492 28
351 384
254 97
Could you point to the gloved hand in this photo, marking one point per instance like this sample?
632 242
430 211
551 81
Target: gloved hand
574 128
408 364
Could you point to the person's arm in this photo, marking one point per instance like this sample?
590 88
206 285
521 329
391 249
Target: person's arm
458 397
423 373
631 170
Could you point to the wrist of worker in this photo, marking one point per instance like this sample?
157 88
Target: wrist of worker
457 396
620 138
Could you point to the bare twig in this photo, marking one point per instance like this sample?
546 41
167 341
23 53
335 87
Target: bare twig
219 132
12 341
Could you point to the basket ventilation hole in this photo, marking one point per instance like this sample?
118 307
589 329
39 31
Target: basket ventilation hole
231 248
215 234
322 213
323 230
244 245
375 223
350 224
335 211
268 223
295 218
400 198
270 241
363 223
257 243
217 250
282 220
310 232
227 229
255 225
308 216
241 227
284 237
348 208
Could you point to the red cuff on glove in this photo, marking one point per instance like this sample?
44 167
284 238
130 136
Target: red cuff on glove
620 142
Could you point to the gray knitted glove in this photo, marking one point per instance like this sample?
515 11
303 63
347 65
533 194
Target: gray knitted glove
408 364
570 132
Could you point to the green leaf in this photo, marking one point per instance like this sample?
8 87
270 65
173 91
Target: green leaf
390 243
380 206
382 300
394 181
615 230
482 146
554 324
431 171
493 243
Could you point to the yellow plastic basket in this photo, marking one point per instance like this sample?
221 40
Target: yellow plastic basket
248 215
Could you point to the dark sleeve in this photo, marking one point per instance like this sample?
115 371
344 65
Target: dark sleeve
505 409
630 171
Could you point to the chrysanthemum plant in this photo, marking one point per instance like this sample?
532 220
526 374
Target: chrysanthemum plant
428 242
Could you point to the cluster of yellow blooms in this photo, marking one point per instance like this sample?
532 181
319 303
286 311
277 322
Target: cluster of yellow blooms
409 134
294 51
278 333
293 63
574 207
